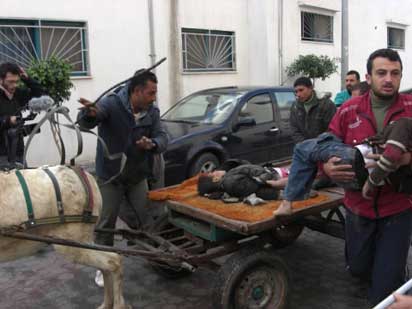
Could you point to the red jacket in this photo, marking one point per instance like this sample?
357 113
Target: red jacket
353 122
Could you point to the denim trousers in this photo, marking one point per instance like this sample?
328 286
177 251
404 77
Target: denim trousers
305 159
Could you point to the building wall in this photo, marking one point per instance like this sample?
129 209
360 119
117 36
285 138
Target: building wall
365 37
119 44
229 15
294 46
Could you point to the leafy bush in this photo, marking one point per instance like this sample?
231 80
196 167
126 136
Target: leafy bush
54 75
312 66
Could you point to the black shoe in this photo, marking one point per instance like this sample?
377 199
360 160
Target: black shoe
354 157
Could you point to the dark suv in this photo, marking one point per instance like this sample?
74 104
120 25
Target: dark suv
212 125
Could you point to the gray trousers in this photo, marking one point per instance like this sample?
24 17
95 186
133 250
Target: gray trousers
115 194
4 162
158 172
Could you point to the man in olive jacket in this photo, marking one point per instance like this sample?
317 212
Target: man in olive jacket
309 115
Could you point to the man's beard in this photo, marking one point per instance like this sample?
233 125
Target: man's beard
384 96
9 94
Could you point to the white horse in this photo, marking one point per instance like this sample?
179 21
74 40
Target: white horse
14 211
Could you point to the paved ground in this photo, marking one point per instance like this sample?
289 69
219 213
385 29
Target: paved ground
48 281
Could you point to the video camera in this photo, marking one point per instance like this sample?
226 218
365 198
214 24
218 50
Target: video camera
26 129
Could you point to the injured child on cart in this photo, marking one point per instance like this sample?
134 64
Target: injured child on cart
239 180
186 197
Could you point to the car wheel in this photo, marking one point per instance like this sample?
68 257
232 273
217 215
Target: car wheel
206 162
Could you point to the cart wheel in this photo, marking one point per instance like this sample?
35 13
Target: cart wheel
285 235
252 279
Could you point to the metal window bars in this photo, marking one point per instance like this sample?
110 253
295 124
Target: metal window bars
205 50
23 44
316 27
396 38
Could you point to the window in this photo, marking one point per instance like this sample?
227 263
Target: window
396 38
208 50
259 107
316 27
22 41
209 108
285 101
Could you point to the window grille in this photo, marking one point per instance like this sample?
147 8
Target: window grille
316 27
23 41
208 50
396 38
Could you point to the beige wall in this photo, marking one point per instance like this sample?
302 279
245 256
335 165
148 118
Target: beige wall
119 43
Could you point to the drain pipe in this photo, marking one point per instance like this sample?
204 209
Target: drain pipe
280 40
175 78
152 54
345 42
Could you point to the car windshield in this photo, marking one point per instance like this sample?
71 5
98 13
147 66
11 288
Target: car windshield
207 108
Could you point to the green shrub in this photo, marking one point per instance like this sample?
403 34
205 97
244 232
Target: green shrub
312 66
54 75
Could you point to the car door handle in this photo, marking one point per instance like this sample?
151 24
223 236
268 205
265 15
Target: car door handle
274 130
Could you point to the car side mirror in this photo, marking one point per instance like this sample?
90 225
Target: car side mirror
246 122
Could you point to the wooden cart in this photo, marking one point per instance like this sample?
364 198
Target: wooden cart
185 237
254 276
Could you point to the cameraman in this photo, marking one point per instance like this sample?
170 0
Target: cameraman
13 100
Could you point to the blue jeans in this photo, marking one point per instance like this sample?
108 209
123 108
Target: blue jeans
306 156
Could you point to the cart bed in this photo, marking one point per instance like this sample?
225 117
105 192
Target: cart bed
185 204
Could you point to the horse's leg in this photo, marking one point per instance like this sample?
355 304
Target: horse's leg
117 283
108 290
111 266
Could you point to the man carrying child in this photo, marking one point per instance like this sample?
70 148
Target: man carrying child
378 220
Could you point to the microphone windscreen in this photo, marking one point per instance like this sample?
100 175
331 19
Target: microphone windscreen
43 103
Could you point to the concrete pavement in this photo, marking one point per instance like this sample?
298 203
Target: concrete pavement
47 280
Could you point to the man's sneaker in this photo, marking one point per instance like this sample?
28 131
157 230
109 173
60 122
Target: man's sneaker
99 279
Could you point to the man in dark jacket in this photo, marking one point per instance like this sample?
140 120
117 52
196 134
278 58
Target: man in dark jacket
13 100
128 123
309 116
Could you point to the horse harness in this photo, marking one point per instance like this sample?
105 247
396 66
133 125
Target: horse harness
85 217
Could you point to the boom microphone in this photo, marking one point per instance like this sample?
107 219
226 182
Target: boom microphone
43 103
